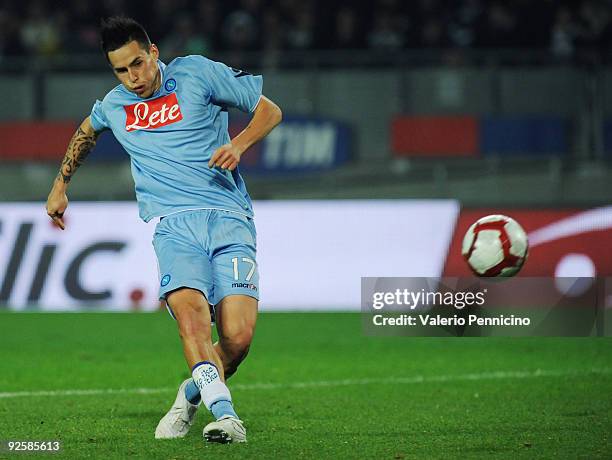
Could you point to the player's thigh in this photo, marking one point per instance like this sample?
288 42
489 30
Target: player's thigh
234 262
236 316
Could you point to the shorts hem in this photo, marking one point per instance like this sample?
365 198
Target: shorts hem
247 293
163 294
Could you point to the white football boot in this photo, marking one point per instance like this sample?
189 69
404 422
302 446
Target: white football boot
177 422
226 429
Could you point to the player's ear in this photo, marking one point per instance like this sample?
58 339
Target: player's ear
154 51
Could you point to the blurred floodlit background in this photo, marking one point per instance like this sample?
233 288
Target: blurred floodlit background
492 106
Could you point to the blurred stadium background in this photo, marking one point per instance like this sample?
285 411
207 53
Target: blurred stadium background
403 123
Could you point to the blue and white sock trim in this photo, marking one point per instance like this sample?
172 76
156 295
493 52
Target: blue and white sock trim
207 379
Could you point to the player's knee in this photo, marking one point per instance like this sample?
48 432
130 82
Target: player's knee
190 328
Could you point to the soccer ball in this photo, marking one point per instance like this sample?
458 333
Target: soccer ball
495 245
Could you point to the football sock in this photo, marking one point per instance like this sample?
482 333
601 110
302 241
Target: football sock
192 393
222 408
214 393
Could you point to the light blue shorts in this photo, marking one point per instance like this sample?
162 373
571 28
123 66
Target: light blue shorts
210 250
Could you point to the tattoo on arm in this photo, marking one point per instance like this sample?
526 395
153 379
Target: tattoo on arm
79 147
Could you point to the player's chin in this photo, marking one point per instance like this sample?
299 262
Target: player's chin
143 93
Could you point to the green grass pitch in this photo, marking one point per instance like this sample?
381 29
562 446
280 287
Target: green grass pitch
313 387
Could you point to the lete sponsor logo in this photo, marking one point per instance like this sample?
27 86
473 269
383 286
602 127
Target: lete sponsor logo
153 114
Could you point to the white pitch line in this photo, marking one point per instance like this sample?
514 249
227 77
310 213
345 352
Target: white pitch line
496 375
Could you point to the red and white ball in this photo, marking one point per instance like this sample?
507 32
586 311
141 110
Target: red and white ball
495 245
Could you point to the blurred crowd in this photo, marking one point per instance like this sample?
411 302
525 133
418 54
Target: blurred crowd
565 28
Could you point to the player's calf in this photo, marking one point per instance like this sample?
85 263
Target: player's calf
190 308
236 319
234 349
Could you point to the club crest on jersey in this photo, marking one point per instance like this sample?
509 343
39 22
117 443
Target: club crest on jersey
170 85
153 114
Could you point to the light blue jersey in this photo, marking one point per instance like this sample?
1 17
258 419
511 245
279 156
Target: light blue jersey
171 136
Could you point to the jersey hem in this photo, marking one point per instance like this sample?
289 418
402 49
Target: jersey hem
161 216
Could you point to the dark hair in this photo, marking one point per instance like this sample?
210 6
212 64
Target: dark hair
116 31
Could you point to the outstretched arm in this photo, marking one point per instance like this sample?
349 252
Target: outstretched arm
83 141
265 117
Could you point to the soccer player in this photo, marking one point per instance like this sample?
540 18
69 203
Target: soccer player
172 120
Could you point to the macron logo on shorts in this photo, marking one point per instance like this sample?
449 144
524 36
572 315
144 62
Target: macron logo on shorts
245 285
153 114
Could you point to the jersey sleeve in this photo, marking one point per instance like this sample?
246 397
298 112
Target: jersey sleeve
232 87
98 118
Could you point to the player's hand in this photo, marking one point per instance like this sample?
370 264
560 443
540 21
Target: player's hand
226 157
57 202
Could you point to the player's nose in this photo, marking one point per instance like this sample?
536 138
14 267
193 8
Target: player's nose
133 76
